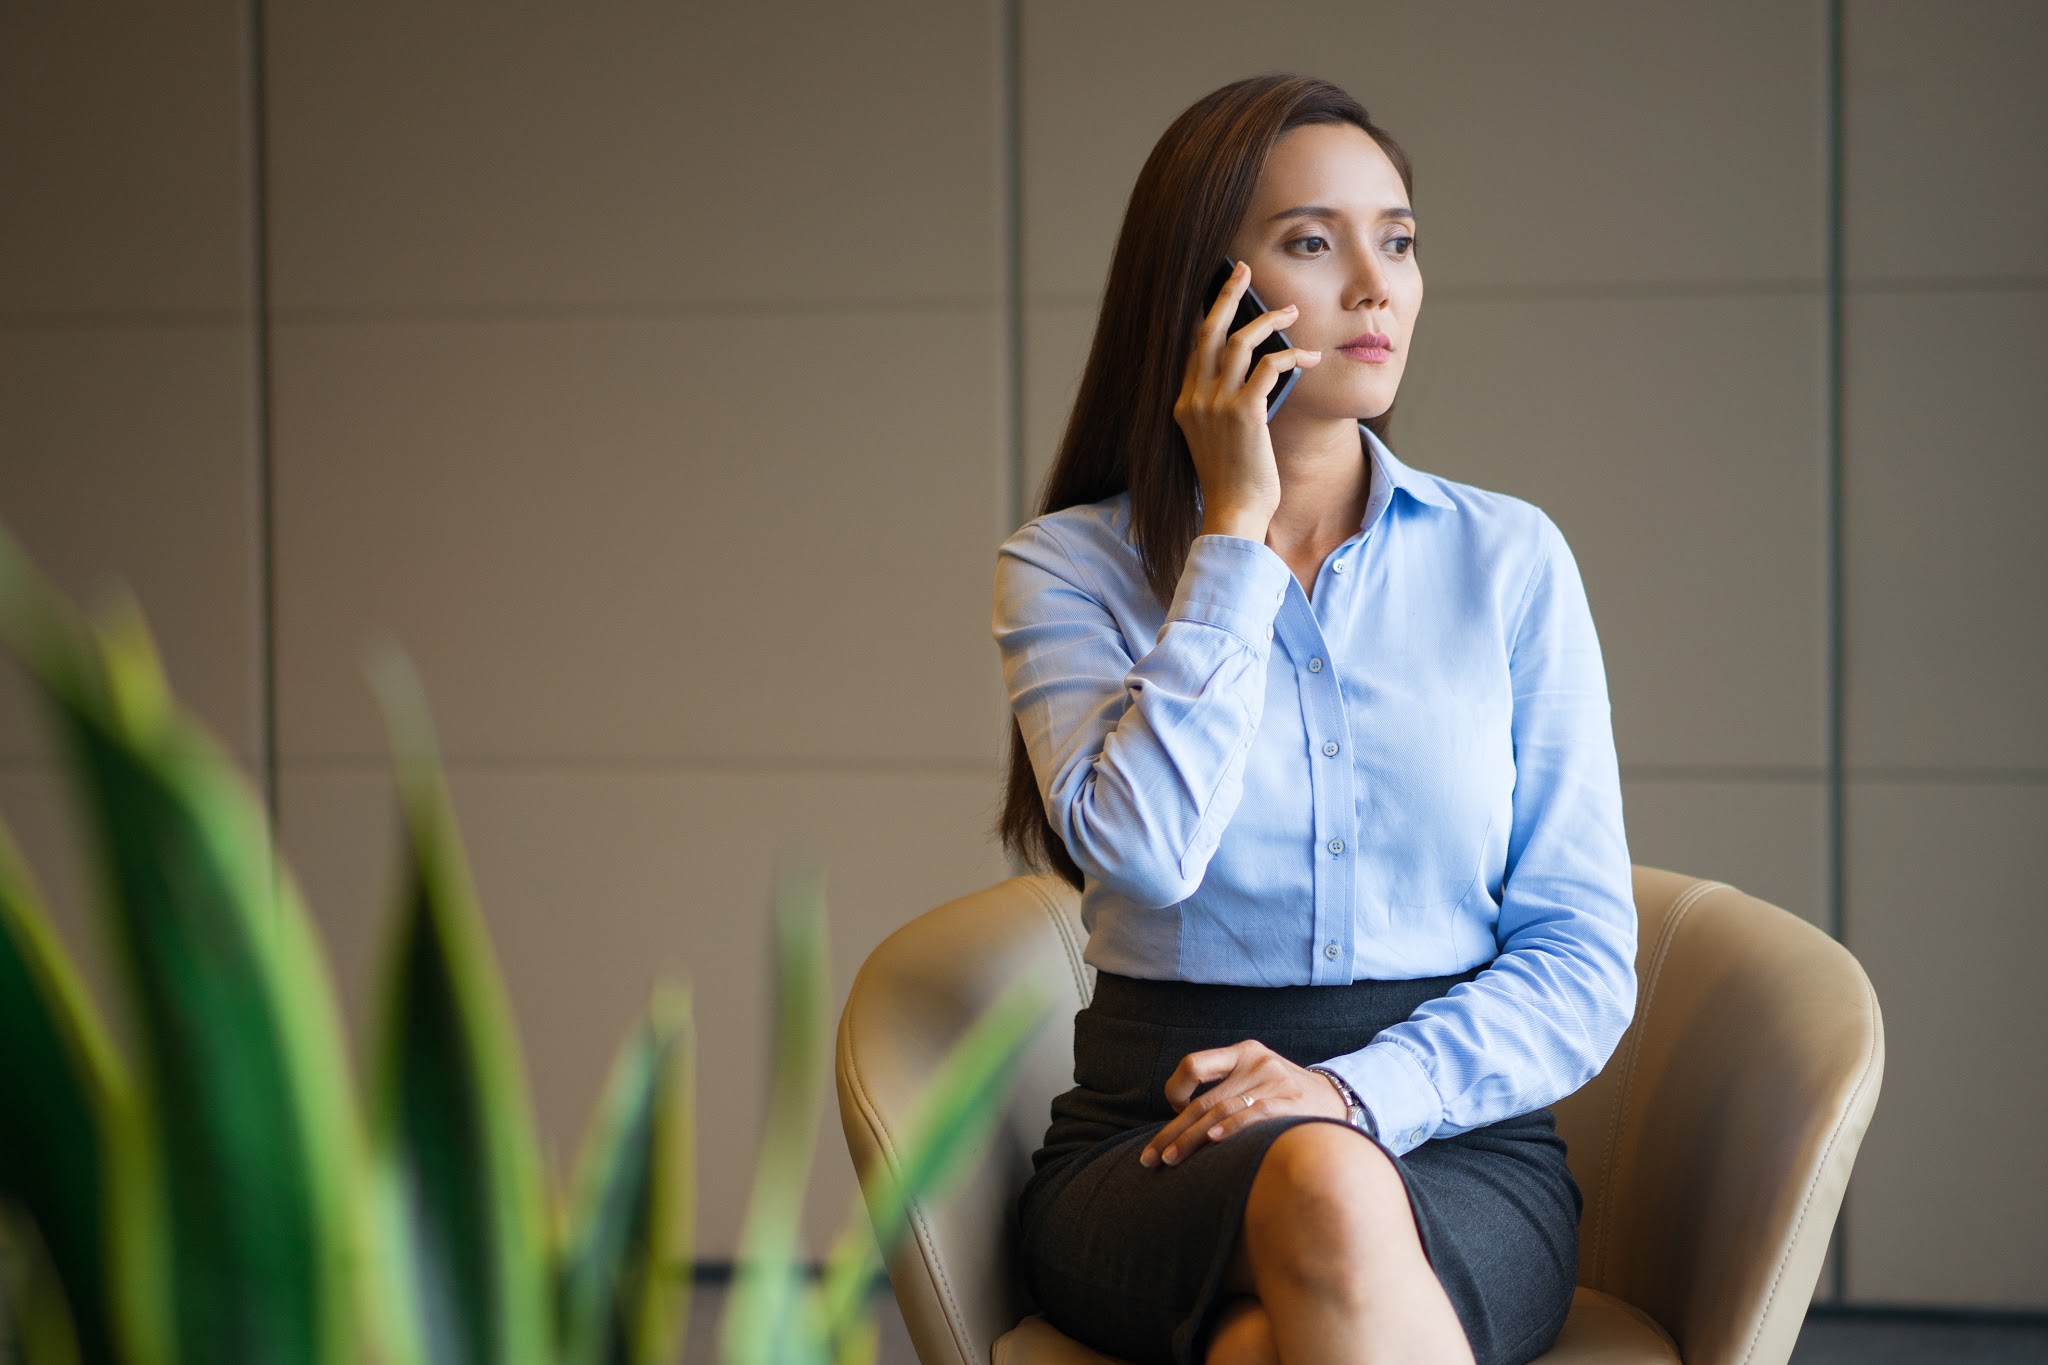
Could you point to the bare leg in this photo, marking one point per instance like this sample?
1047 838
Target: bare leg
1243 1336
1331 1251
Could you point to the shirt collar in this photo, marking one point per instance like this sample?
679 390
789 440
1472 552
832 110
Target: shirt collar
1392 474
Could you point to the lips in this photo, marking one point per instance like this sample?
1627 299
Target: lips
1369 341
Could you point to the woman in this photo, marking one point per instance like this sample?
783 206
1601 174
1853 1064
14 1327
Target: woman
1325 743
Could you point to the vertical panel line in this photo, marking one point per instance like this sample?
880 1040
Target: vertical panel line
1837 917
266 519
1013 243
1012 21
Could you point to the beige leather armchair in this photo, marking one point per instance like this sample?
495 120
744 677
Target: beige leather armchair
1713 1150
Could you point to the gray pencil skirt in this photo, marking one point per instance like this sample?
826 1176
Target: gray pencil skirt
1130 1260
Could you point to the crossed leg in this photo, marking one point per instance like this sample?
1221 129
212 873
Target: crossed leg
1330 1267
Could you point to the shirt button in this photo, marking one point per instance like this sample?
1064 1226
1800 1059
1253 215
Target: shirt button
1336 847
1414 1135
1340 566
1330 749
1330 950
1315 665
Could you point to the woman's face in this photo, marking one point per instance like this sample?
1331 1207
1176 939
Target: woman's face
1330 231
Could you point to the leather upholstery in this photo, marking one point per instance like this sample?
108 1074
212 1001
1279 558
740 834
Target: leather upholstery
1713 1150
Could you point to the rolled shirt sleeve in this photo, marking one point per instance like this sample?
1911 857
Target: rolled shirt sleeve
1544 1017
1140 761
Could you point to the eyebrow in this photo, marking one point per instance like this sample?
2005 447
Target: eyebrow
1324 211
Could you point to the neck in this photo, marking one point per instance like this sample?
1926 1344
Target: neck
1325 478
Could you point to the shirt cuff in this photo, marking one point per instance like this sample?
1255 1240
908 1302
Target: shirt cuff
1233 584
1392 1085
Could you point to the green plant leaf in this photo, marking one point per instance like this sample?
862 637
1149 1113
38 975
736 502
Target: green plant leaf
458 1168
764 1324
36 1324
949 1127
623 1279
238 1229
60 1086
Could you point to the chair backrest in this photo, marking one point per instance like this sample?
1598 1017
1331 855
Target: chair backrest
1713 1150
917 993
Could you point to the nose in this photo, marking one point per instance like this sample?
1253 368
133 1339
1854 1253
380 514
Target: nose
1369 283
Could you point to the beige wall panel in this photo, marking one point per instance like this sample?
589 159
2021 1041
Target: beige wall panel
1677 444
1944 487
37 806
698 538
598 883
1945 124
1697 517
1950 1205
1056 337
1767 837
124 158
1541 158
476 157
128 456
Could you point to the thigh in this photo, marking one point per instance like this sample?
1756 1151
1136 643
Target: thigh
1130 1259
1498 1212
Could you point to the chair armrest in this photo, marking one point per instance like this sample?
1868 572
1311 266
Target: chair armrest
1730 1116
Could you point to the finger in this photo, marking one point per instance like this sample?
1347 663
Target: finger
1175 1136
1237 354
1235 357
1239 1118
1267 372
1210 333
1241 1105
1199 1068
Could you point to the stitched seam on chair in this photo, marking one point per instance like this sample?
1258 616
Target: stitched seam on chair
1065 930
919 1228
1813 1183
1649 1323
1611 1160
955 1319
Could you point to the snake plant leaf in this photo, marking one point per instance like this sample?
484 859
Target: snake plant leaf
243 1227
623 1275
764 1324
60 1085
457 1165
36 1322
948 1129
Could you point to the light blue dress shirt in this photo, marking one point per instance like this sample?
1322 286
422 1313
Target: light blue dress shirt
1410 775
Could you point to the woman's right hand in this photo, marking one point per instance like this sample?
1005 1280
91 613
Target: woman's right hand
1222 412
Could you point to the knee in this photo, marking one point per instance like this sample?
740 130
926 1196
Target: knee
1243 1336
1325 1200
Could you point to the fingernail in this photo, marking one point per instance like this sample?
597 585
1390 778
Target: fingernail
1289 308
1145 1158
1317 354
1215 1133
1171 1156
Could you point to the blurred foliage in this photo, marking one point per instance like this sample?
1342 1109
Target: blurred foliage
222 1198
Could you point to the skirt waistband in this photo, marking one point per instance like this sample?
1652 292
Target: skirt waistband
1206 1004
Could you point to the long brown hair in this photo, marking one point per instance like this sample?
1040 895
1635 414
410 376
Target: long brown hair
1195 189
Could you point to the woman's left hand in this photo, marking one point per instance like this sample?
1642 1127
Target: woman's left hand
1253 1083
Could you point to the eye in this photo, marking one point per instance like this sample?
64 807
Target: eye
1323 242
1410 248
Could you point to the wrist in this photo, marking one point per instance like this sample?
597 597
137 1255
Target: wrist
1244 525
1355 1112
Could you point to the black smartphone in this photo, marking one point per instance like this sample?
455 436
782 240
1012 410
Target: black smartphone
1249 307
